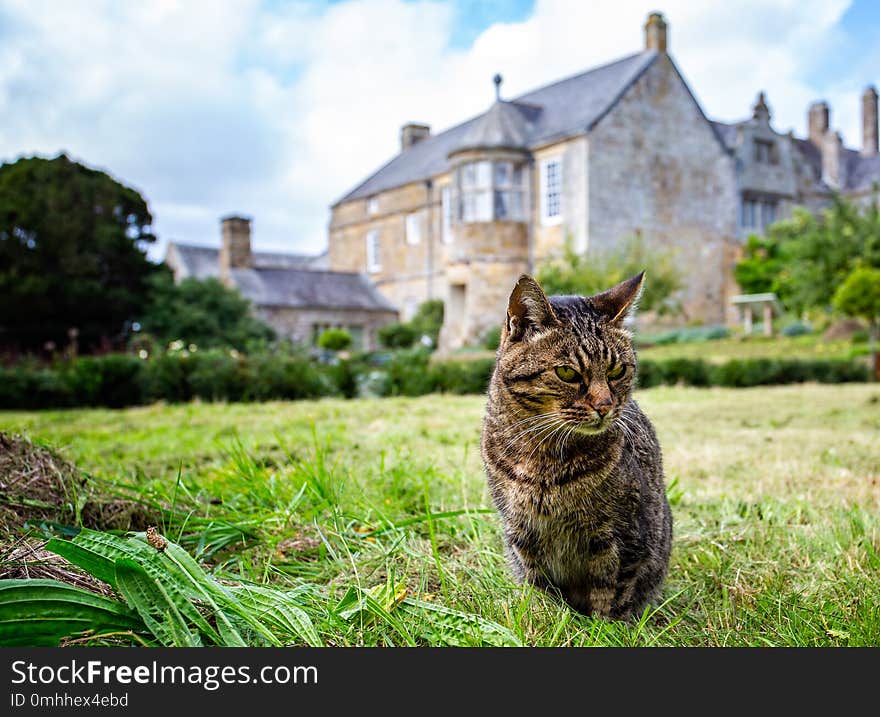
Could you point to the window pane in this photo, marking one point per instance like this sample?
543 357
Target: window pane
484 174
468 176
553 189
483 208
413 228
518 175
502 174
446 201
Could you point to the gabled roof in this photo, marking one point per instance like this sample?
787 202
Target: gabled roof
563 109
203 262
302 288
861 172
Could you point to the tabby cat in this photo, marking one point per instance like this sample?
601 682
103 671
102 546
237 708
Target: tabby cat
573 465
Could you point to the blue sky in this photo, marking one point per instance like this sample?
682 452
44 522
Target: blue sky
275 109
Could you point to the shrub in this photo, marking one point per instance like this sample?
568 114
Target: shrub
463 376
217 376
409 374
167 378
428 319
397 336
285 376
797 328
26 387
334 339
115 380
492 338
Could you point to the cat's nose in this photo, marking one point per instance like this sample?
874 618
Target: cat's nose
602 407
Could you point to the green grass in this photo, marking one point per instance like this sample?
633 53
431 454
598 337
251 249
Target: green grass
778 347
775 493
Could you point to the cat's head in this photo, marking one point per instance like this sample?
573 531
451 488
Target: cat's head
569 356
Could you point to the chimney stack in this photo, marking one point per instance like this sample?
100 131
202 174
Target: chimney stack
818 122
656 32
833 160
869 122
235 247
412 133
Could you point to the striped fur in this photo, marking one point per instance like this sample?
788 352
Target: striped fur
580 494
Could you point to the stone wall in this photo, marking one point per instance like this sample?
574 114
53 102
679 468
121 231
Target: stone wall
487 259
409 272
656 168
298 324
549 240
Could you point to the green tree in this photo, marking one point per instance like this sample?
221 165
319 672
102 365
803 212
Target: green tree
428 319
205 313
334 339
859 296
72 253
397 336
805 258
586 274
757 271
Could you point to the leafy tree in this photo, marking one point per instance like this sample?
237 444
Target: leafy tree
804 259
205 313
757 271
334 339
428 319
72 253
397 336
585 274
859 295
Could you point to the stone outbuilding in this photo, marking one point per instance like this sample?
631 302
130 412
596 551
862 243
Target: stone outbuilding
295 294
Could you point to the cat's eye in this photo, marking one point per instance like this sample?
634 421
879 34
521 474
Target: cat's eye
568 374
616 372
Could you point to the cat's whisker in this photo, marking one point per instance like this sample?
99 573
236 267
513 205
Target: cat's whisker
531 429
545 438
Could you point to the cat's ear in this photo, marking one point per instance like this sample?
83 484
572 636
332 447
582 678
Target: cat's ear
617 302
528 310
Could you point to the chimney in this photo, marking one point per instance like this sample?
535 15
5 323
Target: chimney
760 110
655 32
235 247
818 122
412 133
869 122
833 160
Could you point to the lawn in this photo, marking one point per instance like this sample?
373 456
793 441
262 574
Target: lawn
775 493
753 347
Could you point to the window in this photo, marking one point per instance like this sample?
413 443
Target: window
446 201
551 191
509 191
491 190
373 205
757 213
374 258
414 228
764 151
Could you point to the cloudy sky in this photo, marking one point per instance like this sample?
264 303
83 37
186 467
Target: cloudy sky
275 109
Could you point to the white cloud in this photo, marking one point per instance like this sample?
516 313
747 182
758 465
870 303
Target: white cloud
211 108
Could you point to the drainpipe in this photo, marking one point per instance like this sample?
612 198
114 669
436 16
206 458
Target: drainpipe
429 264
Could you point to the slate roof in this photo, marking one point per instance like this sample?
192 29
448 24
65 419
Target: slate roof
861 172
505 126
562 109
304 288
288 280
203 262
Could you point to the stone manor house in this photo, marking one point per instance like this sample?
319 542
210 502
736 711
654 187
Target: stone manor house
618 151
